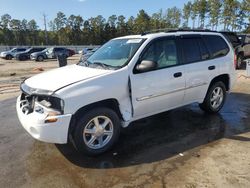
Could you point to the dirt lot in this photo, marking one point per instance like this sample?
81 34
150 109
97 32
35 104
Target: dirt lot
12 72
183 148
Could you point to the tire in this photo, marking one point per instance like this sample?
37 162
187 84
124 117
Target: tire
21 58
9 57
90 138
40 58
239 61
211 103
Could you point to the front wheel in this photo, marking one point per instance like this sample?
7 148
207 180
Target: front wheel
40 58
97 131
215 98
8 57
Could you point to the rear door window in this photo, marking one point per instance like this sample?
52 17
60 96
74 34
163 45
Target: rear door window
216 45
204 51
191 50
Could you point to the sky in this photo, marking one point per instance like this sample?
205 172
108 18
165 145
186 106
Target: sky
34 9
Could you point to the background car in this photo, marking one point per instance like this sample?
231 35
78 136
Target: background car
237 45
245 41
71 52
39 56
53 53
11 53
26 54
86 55
50 53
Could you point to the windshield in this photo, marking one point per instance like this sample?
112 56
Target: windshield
28 50
13 50
45 50
114 54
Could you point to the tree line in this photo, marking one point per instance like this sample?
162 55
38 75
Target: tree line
232 15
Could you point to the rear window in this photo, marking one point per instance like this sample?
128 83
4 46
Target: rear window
216 45
232 38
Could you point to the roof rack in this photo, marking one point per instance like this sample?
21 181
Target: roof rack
157 30
191 30
169 30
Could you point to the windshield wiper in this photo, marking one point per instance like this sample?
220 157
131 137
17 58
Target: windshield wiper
103 65
84 63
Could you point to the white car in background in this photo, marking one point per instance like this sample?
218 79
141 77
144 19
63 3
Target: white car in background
11 53
127 79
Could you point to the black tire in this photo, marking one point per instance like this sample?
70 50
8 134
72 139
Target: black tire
207 103
40 58
21 58
80 137
239 61
9 57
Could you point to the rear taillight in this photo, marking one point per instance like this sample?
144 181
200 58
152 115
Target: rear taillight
235 60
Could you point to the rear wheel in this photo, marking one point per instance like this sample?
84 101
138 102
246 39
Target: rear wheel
215 98
22 58
97 131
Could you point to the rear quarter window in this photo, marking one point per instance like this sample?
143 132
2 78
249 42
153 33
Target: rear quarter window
216 45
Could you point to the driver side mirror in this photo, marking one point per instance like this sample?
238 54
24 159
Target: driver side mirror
146 66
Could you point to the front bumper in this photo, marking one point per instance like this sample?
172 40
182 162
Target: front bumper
3 56
34 124
32 57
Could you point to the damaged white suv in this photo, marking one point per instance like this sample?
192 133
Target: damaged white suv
127 79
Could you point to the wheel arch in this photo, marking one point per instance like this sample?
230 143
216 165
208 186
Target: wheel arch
223 78
109 103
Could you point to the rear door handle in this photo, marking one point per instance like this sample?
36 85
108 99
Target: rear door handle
211 67
177 74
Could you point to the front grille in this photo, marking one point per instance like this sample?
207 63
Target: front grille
27 103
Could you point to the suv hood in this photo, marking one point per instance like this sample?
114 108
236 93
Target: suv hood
61 77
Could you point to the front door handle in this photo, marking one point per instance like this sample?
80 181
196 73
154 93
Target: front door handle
211 67
177 74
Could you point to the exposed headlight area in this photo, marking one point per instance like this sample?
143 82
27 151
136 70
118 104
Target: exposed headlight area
51 105
43 104
39 101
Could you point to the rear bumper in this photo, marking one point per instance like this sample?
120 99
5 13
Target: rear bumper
34 124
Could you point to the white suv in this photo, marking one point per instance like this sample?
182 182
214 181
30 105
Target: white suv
127 79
